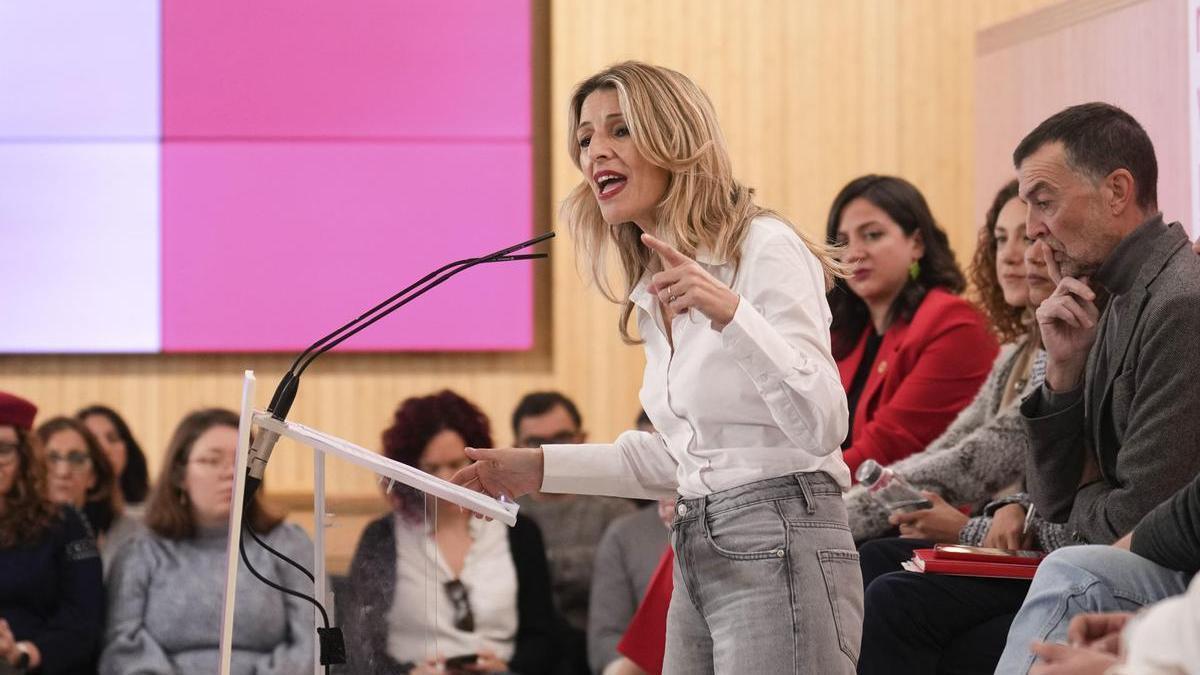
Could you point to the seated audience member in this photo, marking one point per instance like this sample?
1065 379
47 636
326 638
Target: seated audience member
1164 636
625 561
80 476
166 587
1113 429
124 453
571 525
1160 639
51 590
911 353
430 582
981 453
947 623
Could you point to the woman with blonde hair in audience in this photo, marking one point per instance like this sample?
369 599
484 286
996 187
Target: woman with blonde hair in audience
51 589
739 382
910 351
429 583
79 475
165 593
124 453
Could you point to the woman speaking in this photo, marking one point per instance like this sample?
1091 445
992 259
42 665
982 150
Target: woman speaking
740 384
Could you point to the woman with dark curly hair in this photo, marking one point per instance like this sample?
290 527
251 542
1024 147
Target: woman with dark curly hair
429 582
911 353
51 591
124 453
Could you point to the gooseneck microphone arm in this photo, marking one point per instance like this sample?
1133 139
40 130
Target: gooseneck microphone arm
285 392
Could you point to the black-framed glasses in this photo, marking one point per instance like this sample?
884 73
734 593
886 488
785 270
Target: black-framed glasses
77 460
8 452
460 600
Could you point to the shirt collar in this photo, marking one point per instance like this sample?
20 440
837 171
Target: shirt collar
1119 271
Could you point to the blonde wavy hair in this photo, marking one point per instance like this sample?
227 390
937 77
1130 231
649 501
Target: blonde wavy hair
673 124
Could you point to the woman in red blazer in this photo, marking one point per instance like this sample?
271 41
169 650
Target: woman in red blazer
911 352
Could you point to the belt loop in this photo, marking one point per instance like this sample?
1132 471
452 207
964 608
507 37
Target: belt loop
806 490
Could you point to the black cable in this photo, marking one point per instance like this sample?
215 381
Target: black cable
282 589
277 554
490 258
296 594
462 267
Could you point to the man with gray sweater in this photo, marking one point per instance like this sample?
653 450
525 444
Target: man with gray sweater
1113 429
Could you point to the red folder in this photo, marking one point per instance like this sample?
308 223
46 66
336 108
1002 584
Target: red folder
965 563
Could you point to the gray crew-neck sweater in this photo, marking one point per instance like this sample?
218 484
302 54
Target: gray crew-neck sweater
164 607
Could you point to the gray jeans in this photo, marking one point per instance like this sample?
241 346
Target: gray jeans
766 581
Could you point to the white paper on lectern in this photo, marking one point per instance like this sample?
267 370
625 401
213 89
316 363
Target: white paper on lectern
505 512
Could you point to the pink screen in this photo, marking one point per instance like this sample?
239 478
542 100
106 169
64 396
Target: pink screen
283 165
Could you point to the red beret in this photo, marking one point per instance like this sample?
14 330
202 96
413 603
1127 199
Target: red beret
16 411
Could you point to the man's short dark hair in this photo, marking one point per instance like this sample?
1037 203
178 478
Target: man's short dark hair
1099 138
542 402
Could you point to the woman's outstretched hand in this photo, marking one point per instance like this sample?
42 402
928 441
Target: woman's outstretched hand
502 472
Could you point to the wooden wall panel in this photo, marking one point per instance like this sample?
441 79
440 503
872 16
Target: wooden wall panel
1133 53
810 92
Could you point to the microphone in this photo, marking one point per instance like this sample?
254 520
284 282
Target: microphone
285 392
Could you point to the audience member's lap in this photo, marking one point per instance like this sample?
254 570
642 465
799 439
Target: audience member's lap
911 618
1083 579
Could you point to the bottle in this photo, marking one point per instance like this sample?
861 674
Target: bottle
890 490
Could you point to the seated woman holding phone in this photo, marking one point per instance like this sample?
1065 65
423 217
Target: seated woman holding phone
435 590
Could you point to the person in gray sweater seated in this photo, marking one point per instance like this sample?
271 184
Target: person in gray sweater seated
625 561
165 590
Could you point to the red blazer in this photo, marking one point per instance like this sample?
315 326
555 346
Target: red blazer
926 371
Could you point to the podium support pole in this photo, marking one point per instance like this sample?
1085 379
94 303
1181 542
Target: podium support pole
319 525
235 520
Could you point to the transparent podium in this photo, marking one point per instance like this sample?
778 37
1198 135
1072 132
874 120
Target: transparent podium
324 444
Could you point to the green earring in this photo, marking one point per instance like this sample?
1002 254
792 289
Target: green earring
914 270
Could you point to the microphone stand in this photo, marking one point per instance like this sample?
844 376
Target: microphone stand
332 644
285 392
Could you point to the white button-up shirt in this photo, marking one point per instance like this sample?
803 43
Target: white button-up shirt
759 399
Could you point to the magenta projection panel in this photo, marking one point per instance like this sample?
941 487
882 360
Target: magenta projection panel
267 246
318 156
380 68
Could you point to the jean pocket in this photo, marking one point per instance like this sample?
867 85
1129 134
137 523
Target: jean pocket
754 532
844 586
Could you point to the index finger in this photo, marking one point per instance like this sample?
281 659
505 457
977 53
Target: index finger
1051 265
667 253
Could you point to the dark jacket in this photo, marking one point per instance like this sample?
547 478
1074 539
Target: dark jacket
373 586
52 594
1136 413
